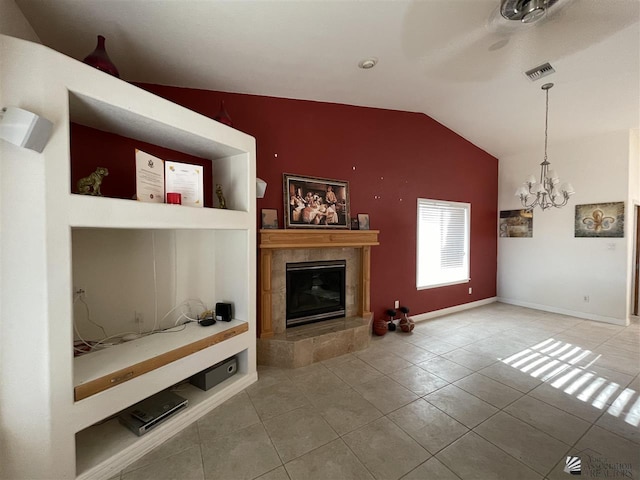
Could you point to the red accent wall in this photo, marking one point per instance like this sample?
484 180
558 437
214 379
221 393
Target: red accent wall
390 158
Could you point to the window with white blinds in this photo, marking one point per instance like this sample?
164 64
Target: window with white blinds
443 243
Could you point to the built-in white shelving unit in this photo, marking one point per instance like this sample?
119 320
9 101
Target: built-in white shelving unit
127 255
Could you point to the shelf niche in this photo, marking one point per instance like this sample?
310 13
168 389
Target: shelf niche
106 135
46 233
108 441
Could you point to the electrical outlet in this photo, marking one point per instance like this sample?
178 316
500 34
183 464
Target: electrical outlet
138 317
396 304
586 299
470 290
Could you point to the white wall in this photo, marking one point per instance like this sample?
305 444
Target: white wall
553 271
29 298
634 202
14 23
634 166
127 273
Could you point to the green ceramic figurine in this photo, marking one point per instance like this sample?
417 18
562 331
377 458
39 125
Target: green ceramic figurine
222 203
91 185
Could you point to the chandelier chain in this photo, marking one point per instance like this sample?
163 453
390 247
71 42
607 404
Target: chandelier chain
546 124
549 192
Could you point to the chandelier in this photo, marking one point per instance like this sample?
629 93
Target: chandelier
545 193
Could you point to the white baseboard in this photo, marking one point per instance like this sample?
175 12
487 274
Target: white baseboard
458 308
546 308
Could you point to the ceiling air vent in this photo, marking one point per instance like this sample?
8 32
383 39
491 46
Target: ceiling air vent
539 72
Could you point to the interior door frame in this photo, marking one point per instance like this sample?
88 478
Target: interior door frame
636 261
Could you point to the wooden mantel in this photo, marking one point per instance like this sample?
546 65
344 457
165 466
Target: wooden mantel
270 240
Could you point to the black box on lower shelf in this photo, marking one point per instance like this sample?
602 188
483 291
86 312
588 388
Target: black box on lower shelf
216 374
151 412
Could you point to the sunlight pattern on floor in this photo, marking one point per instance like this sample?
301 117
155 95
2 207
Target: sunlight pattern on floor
564 373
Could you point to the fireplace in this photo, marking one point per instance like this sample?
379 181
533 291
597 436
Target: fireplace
301 346
315 291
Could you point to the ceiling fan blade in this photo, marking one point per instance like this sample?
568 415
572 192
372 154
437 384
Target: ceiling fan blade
498 24
469 53
577 25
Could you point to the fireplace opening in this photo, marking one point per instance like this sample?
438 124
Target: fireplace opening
315 291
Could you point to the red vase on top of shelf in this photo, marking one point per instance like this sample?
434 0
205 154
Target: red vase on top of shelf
100 60
223 116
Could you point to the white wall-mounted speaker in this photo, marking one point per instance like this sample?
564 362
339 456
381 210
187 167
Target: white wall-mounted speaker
261 187
24 128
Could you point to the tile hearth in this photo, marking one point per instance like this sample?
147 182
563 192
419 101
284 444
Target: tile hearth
307 344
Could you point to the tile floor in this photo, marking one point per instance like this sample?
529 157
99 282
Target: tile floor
497 392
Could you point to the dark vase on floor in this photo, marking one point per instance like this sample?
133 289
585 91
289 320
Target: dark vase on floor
222 116
100 60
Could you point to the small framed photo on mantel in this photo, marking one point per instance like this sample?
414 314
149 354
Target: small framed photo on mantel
363 221
269 218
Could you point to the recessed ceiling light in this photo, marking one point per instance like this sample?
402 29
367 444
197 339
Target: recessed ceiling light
368 63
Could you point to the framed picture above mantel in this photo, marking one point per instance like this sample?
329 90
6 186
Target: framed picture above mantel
311 202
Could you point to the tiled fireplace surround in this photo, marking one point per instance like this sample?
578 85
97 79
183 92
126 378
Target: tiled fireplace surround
306 344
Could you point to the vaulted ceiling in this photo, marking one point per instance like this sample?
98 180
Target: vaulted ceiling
457 61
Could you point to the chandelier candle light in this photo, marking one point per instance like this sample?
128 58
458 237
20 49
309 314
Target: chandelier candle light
545 194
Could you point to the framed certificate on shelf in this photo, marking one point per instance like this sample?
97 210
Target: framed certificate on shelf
149 178
187 180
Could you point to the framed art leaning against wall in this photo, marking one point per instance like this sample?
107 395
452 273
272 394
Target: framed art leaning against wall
315 202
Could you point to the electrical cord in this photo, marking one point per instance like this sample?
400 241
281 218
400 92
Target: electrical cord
75 328
167 330
171 311
182 304
95 345
198 301
185 316
175 266
86 306
155 282
156 323
121 334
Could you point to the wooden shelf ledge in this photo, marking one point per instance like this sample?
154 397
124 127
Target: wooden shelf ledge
275 239
103 369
